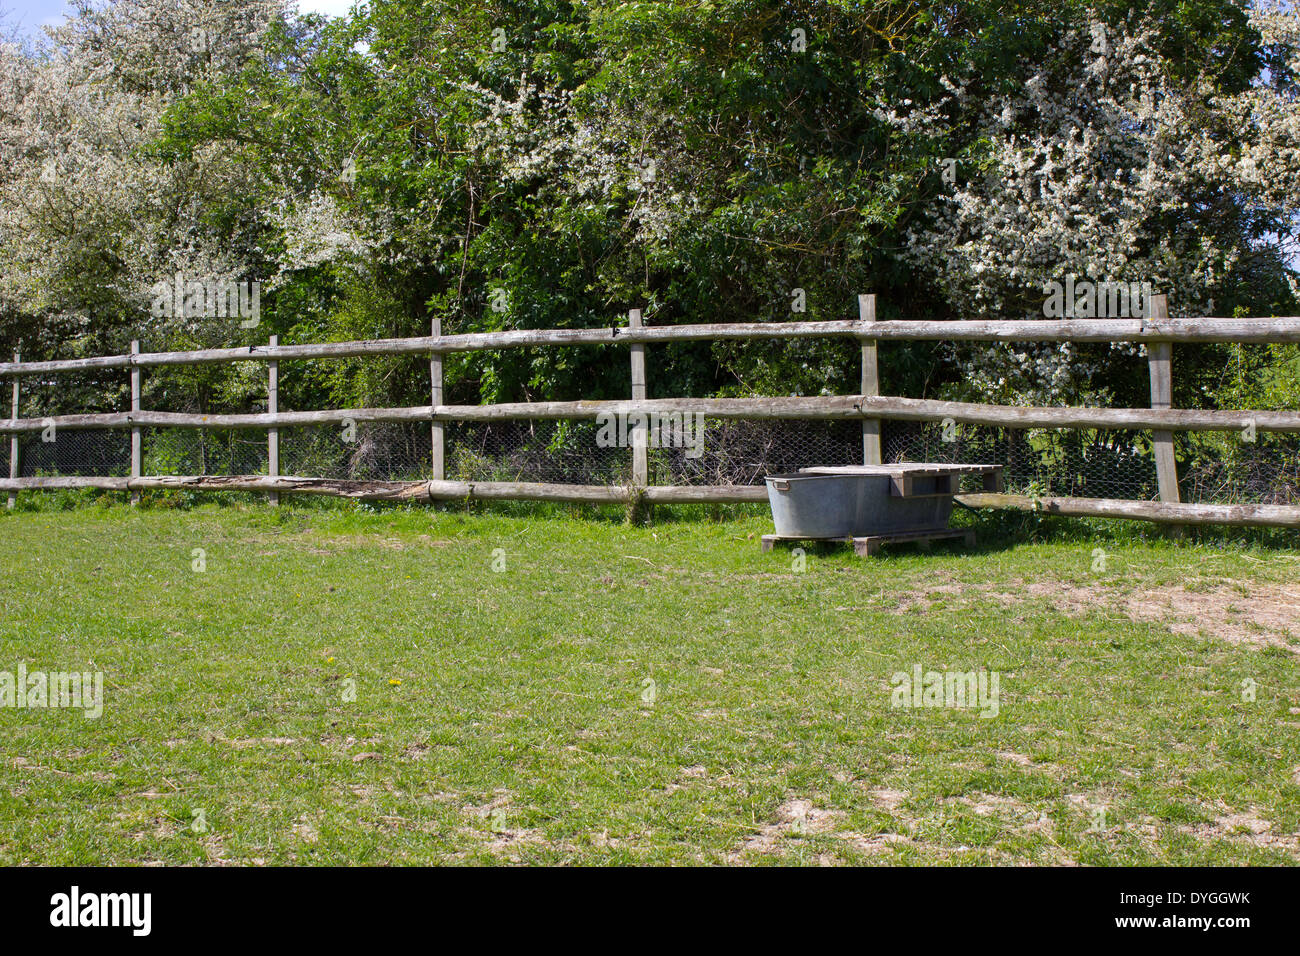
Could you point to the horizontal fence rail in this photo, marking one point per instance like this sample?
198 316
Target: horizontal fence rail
1158 331
1283 516
1274 330
820 408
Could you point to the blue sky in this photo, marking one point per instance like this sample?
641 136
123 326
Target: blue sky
30 15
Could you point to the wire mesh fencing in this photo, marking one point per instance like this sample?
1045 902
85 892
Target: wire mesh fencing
1224 468
1067 463
744 452
1089 463
105 453
364 451
203 451
562 452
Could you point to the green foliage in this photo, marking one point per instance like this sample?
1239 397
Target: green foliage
772 171
700 160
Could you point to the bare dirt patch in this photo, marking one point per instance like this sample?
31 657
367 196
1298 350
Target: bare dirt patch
1020 760
926 598
494 817
886 799
799 818
1246 826
947 589
1008 811
214 847
1268 616
306 831
685 775
1265 615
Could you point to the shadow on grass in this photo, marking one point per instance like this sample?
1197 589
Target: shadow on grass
1009 528
994 530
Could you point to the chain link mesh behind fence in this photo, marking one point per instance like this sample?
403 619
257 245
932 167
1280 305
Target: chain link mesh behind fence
1067 463
1219 468
1225 467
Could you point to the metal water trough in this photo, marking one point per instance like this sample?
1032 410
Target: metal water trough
868 501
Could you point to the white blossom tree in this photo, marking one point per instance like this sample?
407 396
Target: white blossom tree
1108 167
90 216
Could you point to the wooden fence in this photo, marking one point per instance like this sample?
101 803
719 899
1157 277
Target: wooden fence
1158 332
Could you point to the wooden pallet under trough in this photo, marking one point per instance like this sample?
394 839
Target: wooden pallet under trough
868 545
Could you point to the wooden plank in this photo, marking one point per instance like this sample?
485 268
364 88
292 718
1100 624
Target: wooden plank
1013 416
640 452
904 468
843 407
870 380
365 490
1245 515
1162 441
70 422
598 494
261 483
13 439
1278 329
528 491
869 545
1209 329
413 490
64 365
273 407
816 408
770 539
50 482
706 494
918 479
438 460
910 485
647 335
1251 515
320 350
137 450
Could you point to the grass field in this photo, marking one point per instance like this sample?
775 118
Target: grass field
358 686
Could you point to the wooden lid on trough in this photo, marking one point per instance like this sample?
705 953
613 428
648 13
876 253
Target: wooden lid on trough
917 479
902 468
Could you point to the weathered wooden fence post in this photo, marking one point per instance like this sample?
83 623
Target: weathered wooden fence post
1162 442
437 435
273 406
136 447
1154 329
13 440
870 382
639 436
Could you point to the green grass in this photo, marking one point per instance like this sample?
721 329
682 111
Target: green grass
523 728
